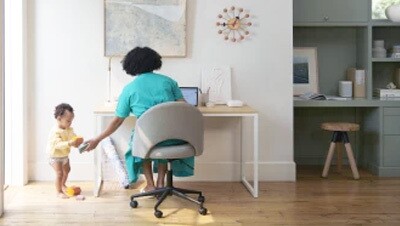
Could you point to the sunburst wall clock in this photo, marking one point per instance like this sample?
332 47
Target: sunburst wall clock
233 24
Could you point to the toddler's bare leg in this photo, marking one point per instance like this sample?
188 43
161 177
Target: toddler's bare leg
57 166
66 168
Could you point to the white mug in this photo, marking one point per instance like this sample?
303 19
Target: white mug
345 88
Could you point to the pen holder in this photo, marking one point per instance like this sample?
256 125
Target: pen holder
203 99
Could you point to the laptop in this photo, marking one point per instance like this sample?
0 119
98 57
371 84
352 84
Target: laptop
190 94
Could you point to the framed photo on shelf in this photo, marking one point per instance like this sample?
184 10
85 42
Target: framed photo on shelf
305 70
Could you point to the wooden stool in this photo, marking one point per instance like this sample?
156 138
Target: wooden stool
340 130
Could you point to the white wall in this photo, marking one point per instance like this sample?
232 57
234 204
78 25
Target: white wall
66 63
1 107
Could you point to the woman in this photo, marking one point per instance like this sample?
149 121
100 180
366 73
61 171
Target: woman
145 91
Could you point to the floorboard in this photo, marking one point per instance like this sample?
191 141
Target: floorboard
337 200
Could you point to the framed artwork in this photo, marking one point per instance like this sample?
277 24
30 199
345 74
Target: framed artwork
160 25
305 70
216 82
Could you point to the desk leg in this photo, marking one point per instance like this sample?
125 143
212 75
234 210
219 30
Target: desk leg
254 189
98 177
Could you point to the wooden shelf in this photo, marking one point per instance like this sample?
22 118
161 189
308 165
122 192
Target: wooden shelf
384 23
386 60
355 102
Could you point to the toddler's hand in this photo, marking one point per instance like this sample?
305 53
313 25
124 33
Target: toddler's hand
79 141
76 141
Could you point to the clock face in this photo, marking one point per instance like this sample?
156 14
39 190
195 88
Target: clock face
233 24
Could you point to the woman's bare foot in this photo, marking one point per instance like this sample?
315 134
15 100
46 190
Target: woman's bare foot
62 195
160 185
147 188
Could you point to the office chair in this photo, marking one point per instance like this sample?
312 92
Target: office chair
172 120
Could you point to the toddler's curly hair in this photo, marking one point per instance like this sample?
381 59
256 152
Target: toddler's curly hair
61 108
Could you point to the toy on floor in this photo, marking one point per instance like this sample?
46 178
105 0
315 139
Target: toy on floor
112 155
80 197
72 191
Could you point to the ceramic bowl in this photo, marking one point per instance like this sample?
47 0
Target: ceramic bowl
393 13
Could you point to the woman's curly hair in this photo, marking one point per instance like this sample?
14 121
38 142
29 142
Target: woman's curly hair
141 60
61 108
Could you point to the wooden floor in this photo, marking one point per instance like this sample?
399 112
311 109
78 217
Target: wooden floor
338 200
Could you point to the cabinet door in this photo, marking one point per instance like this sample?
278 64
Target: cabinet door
391 121
330 11
391 139
391 151
391 125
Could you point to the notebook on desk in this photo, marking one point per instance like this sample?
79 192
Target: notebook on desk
190 94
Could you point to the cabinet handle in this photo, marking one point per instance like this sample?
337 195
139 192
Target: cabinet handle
326 18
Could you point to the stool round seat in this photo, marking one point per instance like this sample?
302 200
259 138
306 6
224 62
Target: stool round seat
340 135
340 126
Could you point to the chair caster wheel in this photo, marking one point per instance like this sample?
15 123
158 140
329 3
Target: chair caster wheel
203 211
201 198
158 214
133 203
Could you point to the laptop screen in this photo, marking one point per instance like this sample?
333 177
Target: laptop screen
190 95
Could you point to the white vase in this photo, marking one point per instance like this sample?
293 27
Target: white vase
393 13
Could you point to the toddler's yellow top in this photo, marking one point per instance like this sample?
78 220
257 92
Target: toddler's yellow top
57 143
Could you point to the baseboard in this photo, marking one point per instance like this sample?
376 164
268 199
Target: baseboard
389 171
384 171
216 171
277 171
42 171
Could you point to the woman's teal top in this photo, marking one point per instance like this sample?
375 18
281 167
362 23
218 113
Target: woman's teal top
144 92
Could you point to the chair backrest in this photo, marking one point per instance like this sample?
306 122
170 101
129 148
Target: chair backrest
171 120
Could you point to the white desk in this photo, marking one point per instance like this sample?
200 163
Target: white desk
217 111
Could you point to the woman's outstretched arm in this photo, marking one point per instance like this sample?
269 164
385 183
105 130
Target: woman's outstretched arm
111 128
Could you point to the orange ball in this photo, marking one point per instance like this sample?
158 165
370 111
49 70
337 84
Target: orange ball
73 190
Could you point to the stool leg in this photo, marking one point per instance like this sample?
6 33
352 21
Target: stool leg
352 161
339 152
328 159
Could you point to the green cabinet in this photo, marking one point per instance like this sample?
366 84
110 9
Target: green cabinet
391 137
330 11
384 68
343 33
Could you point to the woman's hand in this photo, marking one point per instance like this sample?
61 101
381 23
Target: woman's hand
92 144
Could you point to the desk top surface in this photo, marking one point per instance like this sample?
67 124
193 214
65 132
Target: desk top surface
218 109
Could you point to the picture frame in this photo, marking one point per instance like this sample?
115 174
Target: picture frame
305 70
160 25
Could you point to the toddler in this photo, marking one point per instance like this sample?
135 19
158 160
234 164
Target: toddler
60 140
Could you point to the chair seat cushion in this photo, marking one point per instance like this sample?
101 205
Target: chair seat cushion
172 152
